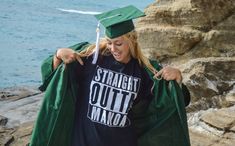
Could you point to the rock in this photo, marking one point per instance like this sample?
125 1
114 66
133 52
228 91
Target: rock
18 136
228 140
222 119
179 30
3 120
22 110
15 93
22 134
230 96
211 82
163 42
196 36
209 77
201 139
6 136
7 140
218 42
212 127
196 14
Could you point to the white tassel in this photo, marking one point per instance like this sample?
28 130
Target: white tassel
95 56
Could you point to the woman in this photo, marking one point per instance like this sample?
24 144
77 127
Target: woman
118 98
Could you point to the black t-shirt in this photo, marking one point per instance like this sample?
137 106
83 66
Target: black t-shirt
107 92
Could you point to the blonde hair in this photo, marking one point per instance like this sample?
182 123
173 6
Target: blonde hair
135 50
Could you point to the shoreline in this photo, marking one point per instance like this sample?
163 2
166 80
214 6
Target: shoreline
18 111
20 105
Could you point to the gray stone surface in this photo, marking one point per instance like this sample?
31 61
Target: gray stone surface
198 37
212 127
21 110
180 30
19 106
3 120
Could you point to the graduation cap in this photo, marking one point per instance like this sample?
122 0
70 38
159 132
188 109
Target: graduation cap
117 22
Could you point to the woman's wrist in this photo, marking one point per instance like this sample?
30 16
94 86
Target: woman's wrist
179 78
56 60
56 56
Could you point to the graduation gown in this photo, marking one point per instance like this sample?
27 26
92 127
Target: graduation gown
162 122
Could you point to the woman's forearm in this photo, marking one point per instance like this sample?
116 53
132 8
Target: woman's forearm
56 61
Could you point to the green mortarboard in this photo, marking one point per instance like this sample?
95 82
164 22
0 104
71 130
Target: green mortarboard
119 21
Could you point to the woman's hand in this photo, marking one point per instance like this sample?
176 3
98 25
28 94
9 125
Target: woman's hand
68 55
169 73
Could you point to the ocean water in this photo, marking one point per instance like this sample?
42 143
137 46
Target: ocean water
32 30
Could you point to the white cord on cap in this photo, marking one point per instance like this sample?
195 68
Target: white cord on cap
95 57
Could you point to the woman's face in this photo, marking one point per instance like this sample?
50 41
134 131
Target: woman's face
119 48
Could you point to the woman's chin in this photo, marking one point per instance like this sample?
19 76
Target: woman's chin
118 59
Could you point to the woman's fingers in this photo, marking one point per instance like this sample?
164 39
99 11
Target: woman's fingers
78 58
67 59
169 73
68 55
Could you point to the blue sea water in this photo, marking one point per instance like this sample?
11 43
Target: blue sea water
32 30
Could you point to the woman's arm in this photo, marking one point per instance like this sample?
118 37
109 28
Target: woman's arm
53 61
56 61
65 55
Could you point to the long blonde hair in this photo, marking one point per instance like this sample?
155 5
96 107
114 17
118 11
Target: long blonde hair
135 50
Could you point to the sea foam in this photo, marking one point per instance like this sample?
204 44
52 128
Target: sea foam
79 12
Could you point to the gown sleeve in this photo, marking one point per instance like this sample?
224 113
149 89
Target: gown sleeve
186 94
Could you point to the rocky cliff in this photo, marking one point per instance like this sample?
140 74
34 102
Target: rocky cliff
198 37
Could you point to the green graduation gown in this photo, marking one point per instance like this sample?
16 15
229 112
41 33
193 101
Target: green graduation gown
162 122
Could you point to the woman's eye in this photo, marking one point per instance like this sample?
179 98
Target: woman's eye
118 44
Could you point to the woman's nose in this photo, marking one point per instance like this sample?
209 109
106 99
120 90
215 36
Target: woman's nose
113 47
